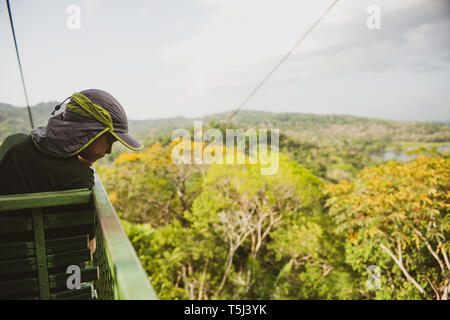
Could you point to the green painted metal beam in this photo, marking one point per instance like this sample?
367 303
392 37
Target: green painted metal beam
130 281
44 199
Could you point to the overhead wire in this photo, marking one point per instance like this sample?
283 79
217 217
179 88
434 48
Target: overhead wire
280 62
285 57
20 65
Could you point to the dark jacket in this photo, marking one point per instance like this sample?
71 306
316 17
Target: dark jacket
26 169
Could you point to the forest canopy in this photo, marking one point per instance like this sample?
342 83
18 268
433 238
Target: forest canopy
227 232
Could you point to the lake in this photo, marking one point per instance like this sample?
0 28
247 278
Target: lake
402 156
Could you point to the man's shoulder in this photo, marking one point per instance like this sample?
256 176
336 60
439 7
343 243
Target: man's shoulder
11 142
14 139
33 157
20 157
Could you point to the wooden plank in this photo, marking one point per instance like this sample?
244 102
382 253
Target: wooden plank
16 266
41 259
65 259
67 244
84 293
13 289
30 298
44 199
18 288
60 280
14 250
15 224
22 265
68 219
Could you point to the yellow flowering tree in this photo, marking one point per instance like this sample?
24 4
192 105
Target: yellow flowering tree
149 187
395 216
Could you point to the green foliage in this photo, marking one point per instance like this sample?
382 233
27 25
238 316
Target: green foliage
395 216
247 236
333 162
227 232
158 190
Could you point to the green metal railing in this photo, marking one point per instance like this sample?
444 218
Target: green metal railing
121 273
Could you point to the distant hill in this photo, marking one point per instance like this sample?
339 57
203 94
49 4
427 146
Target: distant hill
329 127
306 127
15 119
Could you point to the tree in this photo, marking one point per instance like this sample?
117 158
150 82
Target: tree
149 187
395 216
247 236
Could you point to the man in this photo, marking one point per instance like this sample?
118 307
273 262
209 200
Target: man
60 155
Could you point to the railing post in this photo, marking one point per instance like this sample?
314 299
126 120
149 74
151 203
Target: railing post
41 253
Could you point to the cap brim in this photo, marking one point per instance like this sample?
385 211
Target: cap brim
128 140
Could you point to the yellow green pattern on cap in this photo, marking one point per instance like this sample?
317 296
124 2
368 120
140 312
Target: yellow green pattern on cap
81 105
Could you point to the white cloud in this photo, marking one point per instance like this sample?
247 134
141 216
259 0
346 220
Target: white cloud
144 12
240 41
205 56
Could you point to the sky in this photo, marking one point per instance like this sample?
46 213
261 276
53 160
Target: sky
192 58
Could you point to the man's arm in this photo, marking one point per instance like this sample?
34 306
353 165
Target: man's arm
93 245
86 181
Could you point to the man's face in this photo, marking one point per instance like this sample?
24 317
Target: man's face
99 147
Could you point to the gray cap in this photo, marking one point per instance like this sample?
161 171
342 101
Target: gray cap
118 116
67 133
